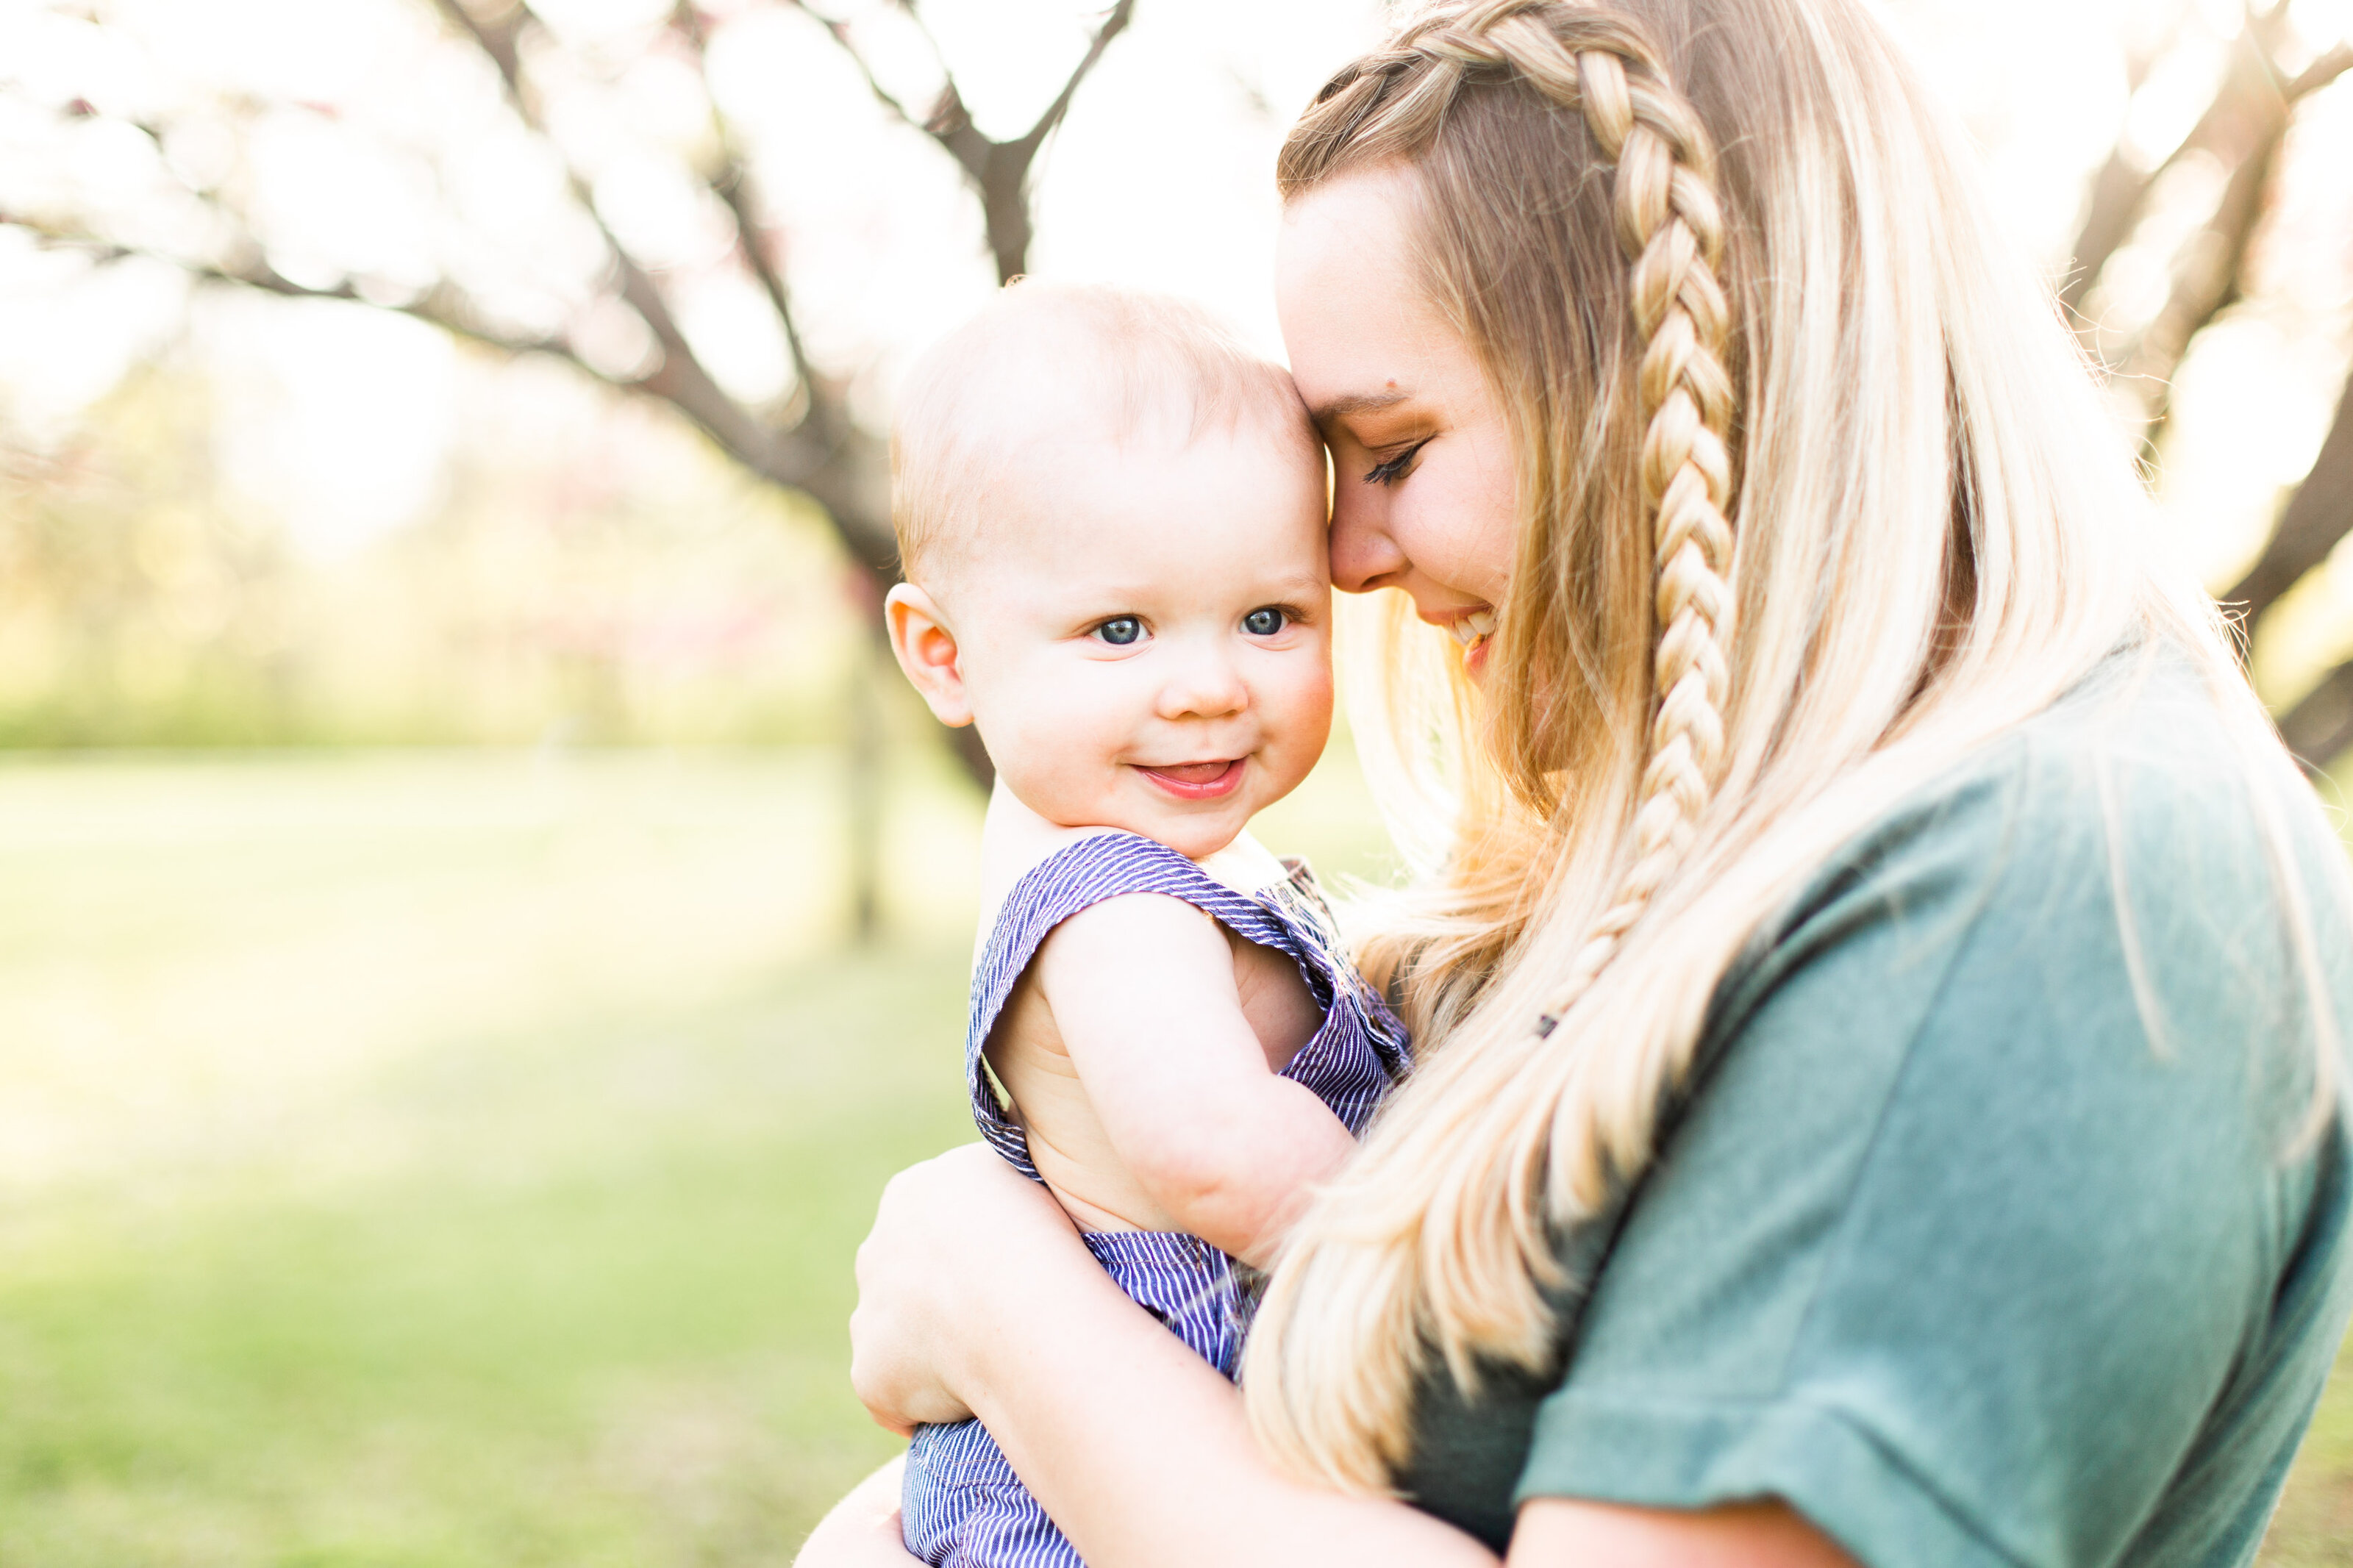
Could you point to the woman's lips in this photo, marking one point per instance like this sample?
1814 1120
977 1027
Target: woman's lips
1471 630
1198 781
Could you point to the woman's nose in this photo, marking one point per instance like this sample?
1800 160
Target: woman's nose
1363 554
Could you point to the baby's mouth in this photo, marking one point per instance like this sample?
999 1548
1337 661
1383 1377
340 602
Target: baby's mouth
1198 781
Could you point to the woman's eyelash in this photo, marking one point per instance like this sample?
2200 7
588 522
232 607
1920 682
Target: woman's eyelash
1394 470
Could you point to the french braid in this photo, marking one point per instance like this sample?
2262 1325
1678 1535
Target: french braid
1430 1273
1672 231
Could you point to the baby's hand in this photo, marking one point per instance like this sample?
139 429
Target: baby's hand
1143 992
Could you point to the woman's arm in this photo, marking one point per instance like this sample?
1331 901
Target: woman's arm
975 1296
1556 1532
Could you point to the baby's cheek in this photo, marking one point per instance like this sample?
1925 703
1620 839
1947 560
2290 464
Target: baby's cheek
1306 720
1063 760
1314 686
1055 779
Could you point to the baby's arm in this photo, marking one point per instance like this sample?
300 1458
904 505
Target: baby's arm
1143 992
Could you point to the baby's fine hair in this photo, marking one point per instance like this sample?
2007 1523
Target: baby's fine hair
1043 359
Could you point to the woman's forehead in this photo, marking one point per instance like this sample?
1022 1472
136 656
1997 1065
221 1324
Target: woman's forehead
1352 230
1359 327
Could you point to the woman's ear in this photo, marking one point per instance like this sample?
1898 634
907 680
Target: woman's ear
927 649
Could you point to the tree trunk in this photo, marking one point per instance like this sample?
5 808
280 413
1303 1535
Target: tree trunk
2319 515
866 778
2319 728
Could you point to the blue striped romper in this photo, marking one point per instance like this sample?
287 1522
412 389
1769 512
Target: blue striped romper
962 1506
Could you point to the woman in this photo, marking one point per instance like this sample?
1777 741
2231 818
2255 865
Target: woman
1878 1019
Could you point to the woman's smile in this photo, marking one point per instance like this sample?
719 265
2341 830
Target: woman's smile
1471 629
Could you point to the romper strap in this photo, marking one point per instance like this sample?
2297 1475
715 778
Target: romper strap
1074 878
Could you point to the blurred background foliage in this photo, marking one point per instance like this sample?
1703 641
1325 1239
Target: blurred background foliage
587 576
480 921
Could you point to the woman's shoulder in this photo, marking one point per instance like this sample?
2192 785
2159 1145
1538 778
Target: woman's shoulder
1992 1153
2092 910
2002 1150
2126 819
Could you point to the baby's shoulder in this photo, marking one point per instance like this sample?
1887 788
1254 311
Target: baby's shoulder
1027 860
1123 897
1013 854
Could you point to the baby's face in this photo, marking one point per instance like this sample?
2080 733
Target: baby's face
1145 642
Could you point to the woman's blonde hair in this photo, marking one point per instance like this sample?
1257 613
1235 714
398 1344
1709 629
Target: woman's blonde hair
1815 495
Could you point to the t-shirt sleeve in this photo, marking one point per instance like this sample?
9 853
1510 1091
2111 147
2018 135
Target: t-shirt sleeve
1977 1212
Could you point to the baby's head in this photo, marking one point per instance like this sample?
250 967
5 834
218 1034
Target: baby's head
1112 518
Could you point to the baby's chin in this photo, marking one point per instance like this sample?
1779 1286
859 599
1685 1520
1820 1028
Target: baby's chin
1196 834
1196 830
1194 838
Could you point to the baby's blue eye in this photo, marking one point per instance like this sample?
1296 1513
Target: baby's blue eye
1264 622
1120 631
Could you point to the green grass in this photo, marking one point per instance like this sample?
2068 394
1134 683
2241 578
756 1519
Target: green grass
447 1160
456 1160
2314 1523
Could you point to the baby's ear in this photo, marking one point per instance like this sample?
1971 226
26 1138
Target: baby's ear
927 649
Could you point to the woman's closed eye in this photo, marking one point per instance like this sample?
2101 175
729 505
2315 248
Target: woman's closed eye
1392 469
1120 631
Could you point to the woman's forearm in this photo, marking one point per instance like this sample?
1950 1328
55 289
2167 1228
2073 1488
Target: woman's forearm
1139 1451
976 1297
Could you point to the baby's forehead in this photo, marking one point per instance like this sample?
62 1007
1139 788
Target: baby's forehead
1080 378
1053 383
1087 485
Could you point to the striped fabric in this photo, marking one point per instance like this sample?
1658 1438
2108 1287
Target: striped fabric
964 1508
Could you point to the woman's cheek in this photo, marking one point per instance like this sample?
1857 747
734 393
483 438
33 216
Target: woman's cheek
1457 525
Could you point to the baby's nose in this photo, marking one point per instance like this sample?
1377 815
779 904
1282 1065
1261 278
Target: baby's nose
1206 685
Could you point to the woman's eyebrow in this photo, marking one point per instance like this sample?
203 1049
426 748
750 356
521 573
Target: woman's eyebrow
1351 403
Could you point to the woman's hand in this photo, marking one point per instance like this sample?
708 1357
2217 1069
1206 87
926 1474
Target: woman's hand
975 1295
957 1241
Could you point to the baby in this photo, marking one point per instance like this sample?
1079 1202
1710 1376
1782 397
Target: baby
1111 517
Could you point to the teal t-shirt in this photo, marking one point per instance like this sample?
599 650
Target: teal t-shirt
1954 1246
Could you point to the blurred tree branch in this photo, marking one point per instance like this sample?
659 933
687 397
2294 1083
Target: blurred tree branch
2251 98
2243 128
2319 728
2314 518
812 444
441 306
730 181
998 172
821 456
2210 276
